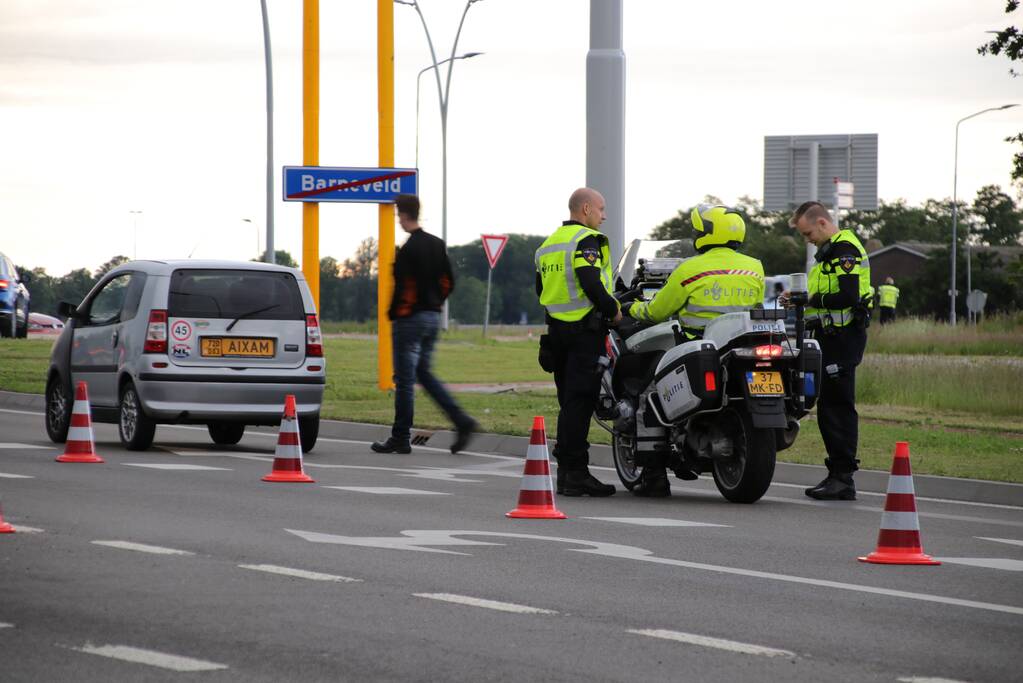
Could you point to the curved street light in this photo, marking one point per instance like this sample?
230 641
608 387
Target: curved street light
467 55
442 95
955 217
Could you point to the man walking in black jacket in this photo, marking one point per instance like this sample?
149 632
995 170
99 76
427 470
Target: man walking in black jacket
422 281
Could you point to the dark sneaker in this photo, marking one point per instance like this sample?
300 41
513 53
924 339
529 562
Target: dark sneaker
835 487
561 480
391 446
582 483
652 484
817 486
465 434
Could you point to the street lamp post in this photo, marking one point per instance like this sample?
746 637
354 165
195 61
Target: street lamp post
135 234
955 218
443 95
467 55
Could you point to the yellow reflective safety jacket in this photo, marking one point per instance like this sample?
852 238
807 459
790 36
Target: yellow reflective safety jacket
556 260
720 280
842 255
888 296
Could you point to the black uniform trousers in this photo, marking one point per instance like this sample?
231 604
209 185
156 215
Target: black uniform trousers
841 351
887 314
577 348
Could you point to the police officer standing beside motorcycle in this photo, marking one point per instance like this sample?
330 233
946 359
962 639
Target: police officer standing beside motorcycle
573 281
837 316
717 280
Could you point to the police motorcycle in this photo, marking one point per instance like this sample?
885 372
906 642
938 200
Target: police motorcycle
724 404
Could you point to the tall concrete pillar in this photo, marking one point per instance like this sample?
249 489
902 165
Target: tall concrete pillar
605 116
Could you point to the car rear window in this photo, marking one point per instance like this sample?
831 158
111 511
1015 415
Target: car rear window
254 295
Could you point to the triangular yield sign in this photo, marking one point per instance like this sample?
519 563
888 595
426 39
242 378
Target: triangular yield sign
493 245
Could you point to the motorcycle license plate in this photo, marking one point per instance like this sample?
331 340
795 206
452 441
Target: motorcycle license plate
765 383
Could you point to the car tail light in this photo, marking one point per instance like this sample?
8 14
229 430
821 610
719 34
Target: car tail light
710 381
768 351
156 333
3 284
313 339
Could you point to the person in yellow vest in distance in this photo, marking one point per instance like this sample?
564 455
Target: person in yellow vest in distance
573 281
837 317
717 280
888 296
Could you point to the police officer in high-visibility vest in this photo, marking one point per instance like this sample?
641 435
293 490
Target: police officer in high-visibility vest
573 281
888 296
837 316
717 280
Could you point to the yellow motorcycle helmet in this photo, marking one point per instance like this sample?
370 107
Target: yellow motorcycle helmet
717 226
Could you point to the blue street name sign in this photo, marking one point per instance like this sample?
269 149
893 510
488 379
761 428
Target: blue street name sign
364 185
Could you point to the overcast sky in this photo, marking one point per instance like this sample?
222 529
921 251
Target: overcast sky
109 106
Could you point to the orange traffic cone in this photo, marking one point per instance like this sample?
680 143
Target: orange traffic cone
5 528
898 542
288 456
80 442
536 496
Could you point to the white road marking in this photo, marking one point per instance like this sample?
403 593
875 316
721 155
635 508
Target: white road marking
486 604
416 539
927 679
951 501
388 490
6 625
298 573
655 521
21 446
717 643
150 657
174 466
142 548
26 529
1010 541
5 475
986 562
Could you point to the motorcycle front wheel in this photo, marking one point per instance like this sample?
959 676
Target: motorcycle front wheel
745 475
624 453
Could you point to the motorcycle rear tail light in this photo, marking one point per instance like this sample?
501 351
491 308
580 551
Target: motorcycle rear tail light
3 284
769 351
313 339
156 333
710 381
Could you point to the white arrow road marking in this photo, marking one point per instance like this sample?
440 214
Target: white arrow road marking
986 562
1010 541
142 548
21 446
175 466
6 625
717 643
150 657
298 573
413 539
5 475
486 604
388 490
26 529
655 521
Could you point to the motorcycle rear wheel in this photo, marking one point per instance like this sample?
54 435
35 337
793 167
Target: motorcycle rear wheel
746 475
624 454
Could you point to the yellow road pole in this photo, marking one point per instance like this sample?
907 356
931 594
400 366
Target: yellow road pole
385 142
311 142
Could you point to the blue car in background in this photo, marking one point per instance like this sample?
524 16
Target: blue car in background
14 301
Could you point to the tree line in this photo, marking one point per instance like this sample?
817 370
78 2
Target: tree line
348 288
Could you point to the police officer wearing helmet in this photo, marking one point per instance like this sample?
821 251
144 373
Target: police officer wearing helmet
573 281
837 316
717 280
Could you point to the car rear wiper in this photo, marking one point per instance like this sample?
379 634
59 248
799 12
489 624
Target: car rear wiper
246 315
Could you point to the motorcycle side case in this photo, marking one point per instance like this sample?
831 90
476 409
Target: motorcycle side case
682 379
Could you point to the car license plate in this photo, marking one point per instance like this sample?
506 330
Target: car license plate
236 347
765 383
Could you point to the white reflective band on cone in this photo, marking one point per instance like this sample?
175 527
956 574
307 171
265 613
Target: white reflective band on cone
898 483
900 521
79 434
536 482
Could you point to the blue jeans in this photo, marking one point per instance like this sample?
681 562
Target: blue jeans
414 338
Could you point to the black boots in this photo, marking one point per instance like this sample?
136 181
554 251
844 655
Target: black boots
465 434
575 483
653 483
391 446
836 486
